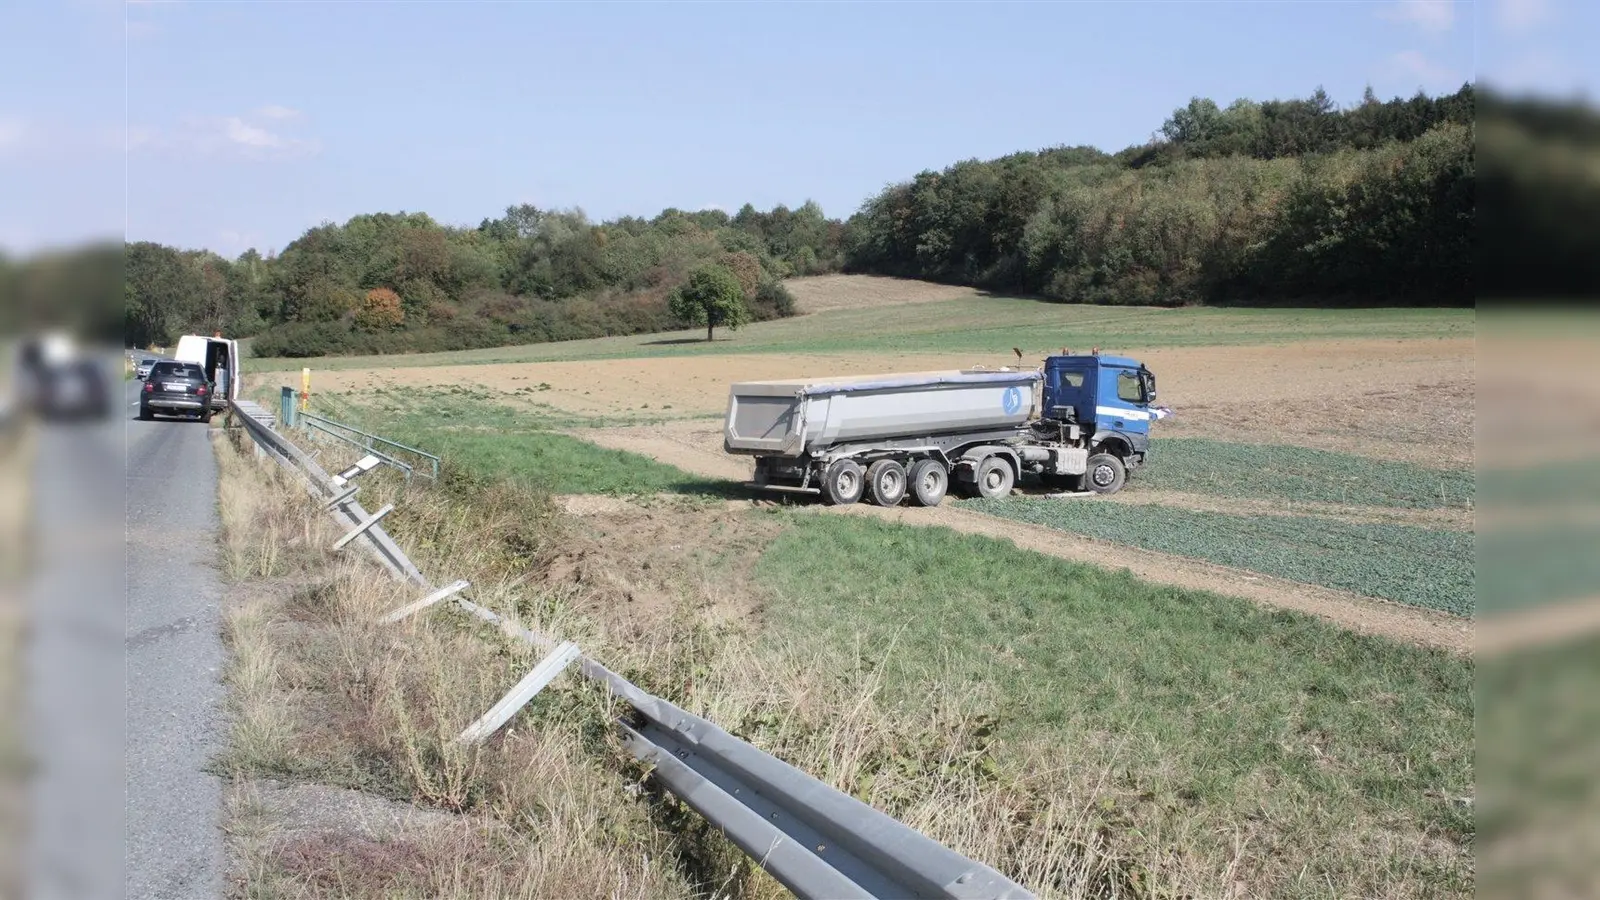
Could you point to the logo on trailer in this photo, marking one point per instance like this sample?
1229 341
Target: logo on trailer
1012 401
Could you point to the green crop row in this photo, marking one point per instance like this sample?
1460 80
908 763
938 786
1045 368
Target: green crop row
1417 566
1276 472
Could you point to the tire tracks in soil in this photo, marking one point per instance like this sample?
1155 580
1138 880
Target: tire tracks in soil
686 449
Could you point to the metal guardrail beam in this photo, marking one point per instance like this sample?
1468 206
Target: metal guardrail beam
328 426
351 514
817 841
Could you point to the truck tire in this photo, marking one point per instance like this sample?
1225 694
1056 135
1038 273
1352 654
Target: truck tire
1106 474
929 481
995 478
886 482
842 483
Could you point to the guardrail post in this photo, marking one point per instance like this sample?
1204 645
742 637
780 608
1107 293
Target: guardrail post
365 465
518 697
286 407
411 609
362 528
340 500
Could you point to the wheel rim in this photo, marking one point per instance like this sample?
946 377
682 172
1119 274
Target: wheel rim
994 480
931 483
1104 475
890 484
845 483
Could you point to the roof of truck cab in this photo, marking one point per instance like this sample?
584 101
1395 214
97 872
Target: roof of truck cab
1104 360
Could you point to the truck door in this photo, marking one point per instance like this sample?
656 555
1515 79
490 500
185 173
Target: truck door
1122 404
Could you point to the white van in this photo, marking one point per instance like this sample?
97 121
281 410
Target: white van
219 356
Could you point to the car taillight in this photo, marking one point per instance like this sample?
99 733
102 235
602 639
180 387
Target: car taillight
200 390
149 388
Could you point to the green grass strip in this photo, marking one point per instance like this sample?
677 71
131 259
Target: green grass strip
1212 699
1417 566
1276 472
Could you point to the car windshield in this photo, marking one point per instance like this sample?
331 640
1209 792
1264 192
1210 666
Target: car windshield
177 370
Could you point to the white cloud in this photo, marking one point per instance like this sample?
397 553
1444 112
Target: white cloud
1432 16
225 136
277 113
1521 15
1416 64
241 132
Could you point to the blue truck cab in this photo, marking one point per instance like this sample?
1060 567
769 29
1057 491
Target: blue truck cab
1108 397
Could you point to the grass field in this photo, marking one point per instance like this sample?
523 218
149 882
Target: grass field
1349 734
1037 713
981 325
1299 474
475 432
1418 566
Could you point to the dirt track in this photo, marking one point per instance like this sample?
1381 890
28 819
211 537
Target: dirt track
1411 400
695 447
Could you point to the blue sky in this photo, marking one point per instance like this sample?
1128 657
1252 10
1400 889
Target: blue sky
247 122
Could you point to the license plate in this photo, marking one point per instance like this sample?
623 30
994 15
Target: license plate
176 388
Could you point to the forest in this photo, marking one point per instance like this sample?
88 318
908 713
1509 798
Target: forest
1282 202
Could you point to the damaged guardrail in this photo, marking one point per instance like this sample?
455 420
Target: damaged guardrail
815 840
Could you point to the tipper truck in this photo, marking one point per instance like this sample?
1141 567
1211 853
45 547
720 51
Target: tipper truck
1078 422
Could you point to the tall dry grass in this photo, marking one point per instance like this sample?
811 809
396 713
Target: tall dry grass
325 694
320 692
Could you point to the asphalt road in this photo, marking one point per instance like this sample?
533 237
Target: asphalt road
174 660
73 665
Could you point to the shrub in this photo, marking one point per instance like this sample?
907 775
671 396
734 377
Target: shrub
771 301
380 309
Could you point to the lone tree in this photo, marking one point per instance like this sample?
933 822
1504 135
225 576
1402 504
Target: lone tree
712 296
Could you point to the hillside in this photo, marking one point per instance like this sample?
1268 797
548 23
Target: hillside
1282 202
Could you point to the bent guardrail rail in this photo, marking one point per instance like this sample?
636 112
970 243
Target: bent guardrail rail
368 441
816 840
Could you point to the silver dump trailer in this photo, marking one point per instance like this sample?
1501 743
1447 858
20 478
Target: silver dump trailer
791 418
915 434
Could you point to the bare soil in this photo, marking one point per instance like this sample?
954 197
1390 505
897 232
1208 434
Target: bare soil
820 293
1409 400
637 564
689 450
1440 519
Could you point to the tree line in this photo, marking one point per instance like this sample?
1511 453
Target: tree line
1284 201
1281 202
386 282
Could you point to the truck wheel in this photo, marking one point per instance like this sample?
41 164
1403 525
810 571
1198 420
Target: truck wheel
1106 475
886 482
842 484
929 480
995 478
